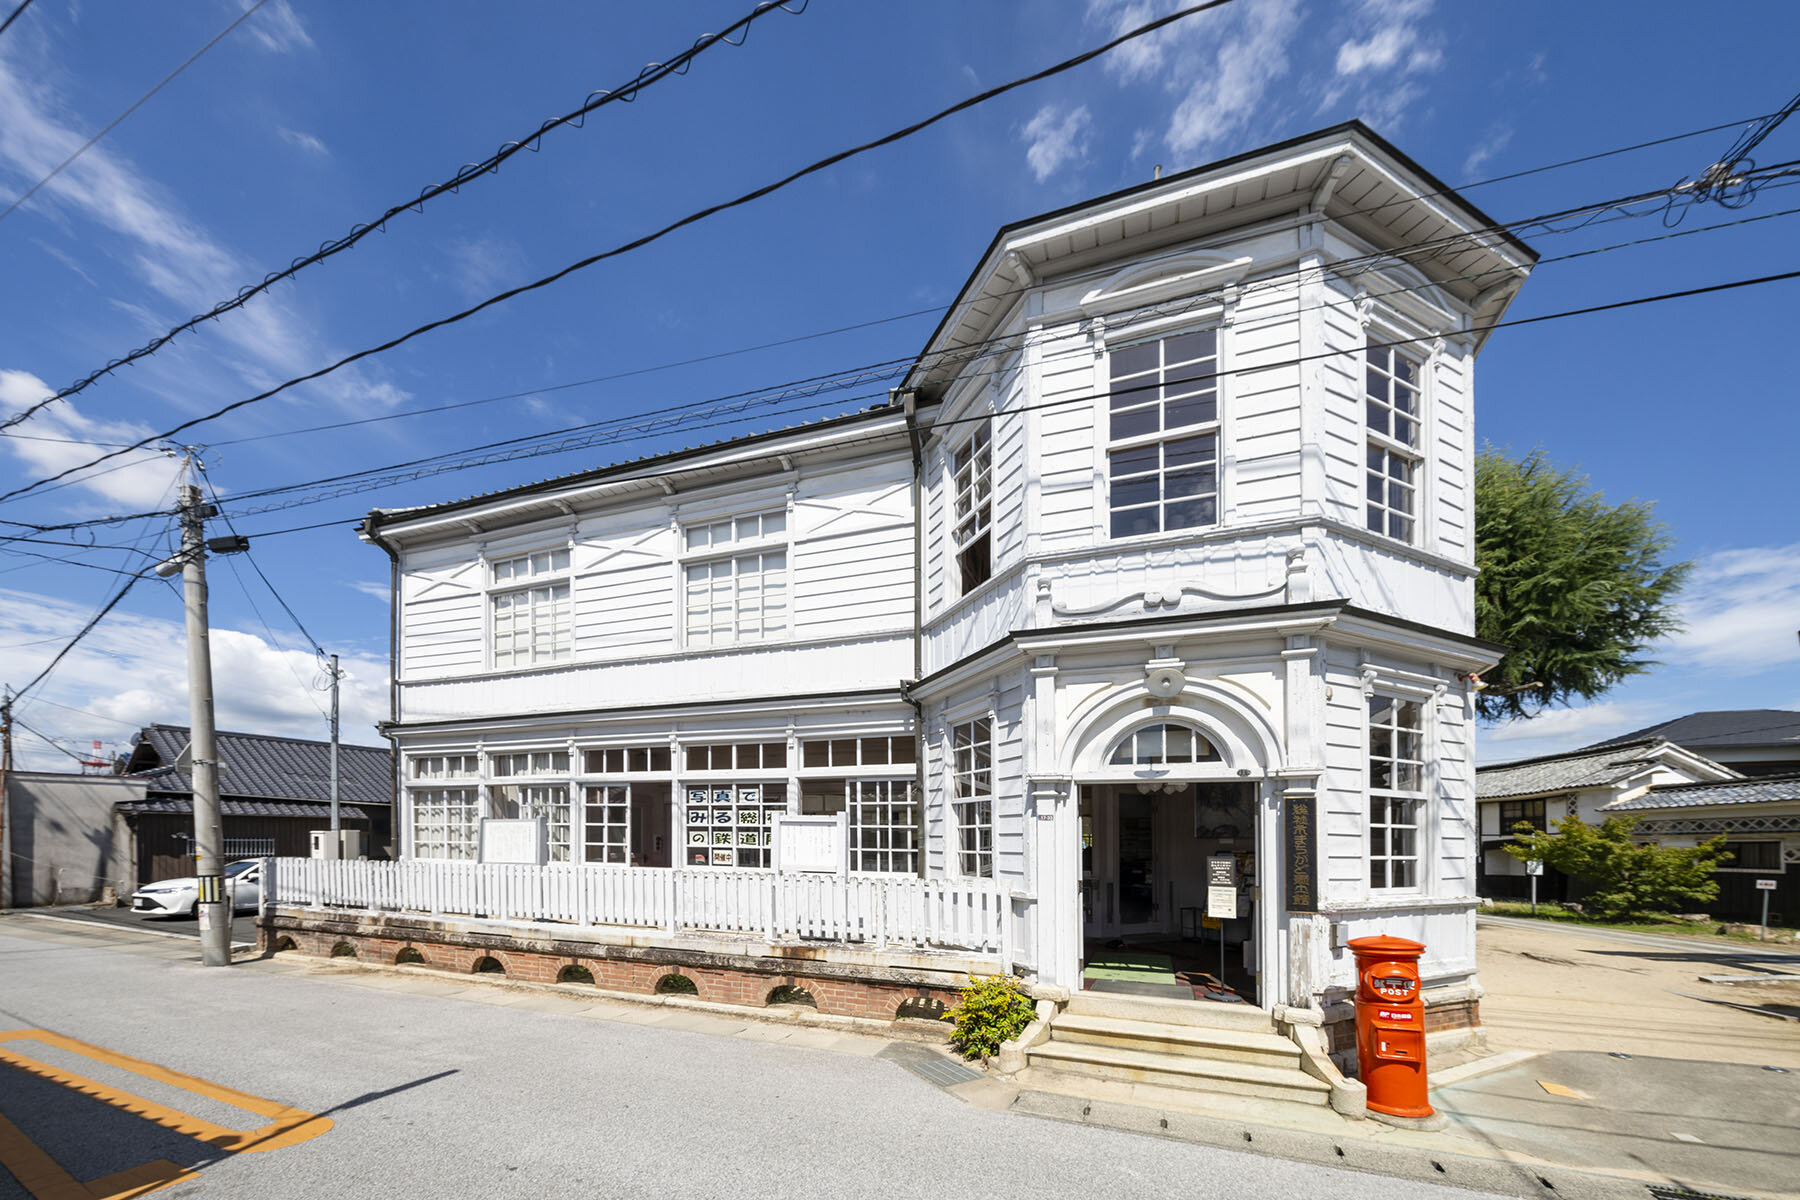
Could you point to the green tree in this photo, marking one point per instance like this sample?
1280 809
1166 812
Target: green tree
1576 589
1627 877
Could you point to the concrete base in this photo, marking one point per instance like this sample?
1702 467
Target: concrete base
1431 1124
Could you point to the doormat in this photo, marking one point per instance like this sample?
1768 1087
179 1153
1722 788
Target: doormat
1126 966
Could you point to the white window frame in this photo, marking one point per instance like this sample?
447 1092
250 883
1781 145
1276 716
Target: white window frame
444 822
733 543
972 796
1394 465
1153 382
1390 801
877 834
611 834
548 594
1148 746
971 487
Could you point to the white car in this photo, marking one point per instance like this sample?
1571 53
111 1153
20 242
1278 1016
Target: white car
181 897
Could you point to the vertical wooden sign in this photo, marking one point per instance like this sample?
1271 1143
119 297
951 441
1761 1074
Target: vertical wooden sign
1299 821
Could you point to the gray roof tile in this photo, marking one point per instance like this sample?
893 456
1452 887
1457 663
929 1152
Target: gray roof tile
1731 727
1565 772
261 767
1768 789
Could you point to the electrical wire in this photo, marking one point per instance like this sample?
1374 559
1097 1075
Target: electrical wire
137 104
48 740
14 15
468 173
1722 182
658 234
84 631
311 640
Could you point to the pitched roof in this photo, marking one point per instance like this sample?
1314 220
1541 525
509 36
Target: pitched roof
1566 772
1767 789
1731 727
182 806
261 767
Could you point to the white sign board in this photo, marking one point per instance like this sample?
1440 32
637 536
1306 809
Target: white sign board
811 844
1534 866
1221 886
513 841
1765 885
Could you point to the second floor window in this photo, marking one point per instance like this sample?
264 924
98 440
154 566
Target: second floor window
1163 455
531 610
972 476
1391 410
737 591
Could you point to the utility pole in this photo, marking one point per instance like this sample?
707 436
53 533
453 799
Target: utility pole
6 724
336 821
214 909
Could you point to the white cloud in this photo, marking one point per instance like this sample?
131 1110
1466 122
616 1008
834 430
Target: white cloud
132 670
1386 44
379 591
1558 729
185 267
277 29
305 141
1054 139
1498 137
61 437
1742 610
1220 66
480 266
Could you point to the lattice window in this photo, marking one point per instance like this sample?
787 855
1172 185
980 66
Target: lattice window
1396 790
736 756
1163 745
1391 402
443 822
531 623
517 801
972 471
859 752
884 825
606 823
1163 455
625 760
972 789
444 766
739 593
528 763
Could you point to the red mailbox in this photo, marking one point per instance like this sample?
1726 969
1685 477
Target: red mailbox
1390 1025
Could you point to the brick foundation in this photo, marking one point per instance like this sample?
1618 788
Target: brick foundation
738 983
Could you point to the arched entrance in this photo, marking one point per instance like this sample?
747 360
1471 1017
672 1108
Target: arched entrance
1170 805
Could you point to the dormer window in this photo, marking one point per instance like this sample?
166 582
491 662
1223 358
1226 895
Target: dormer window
1163 454
1391 406
972 477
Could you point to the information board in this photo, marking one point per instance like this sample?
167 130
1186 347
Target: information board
1221 885
816 844
513 840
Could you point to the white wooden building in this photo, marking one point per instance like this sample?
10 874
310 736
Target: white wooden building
1163 551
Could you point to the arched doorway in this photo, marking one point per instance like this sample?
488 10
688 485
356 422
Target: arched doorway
1166 809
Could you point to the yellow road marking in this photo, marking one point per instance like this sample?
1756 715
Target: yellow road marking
40 1175
286 1127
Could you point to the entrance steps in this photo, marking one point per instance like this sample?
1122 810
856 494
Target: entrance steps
1227 1049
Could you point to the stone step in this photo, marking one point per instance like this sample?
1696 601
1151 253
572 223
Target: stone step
1202 1013
1234 1045
1180 1071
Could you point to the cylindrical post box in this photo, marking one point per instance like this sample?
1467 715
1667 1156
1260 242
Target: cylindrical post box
1390 1025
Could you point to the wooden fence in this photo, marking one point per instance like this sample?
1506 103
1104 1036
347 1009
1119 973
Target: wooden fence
972 915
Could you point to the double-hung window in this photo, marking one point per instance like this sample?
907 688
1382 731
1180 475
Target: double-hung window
1163 453
1391 406
736 580
972 476
1396 791
443 818
531 611
972 796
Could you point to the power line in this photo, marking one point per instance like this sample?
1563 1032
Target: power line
48 740
656 235
468 173
311 640
85 713
14 15
1721 181
85 630
137 104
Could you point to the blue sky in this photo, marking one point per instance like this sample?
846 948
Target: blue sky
309 118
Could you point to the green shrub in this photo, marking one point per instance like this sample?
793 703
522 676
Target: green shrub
1628 877
993 1010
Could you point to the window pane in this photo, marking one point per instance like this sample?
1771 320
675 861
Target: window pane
1192 513
1134 360
1136 423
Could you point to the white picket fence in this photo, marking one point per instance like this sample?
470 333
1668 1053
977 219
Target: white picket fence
973 916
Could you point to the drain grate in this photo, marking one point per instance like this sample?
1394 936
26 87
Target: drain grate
932 1067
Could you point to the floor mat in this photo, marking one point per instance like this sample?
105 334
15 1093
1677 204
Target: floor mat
1130 966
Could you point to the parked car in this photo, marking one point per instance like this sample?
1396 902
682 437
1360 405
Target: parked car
181 897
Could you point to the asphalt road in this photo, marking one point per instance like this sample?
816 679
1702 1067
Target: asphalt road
243 928
1741 951
516 1094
